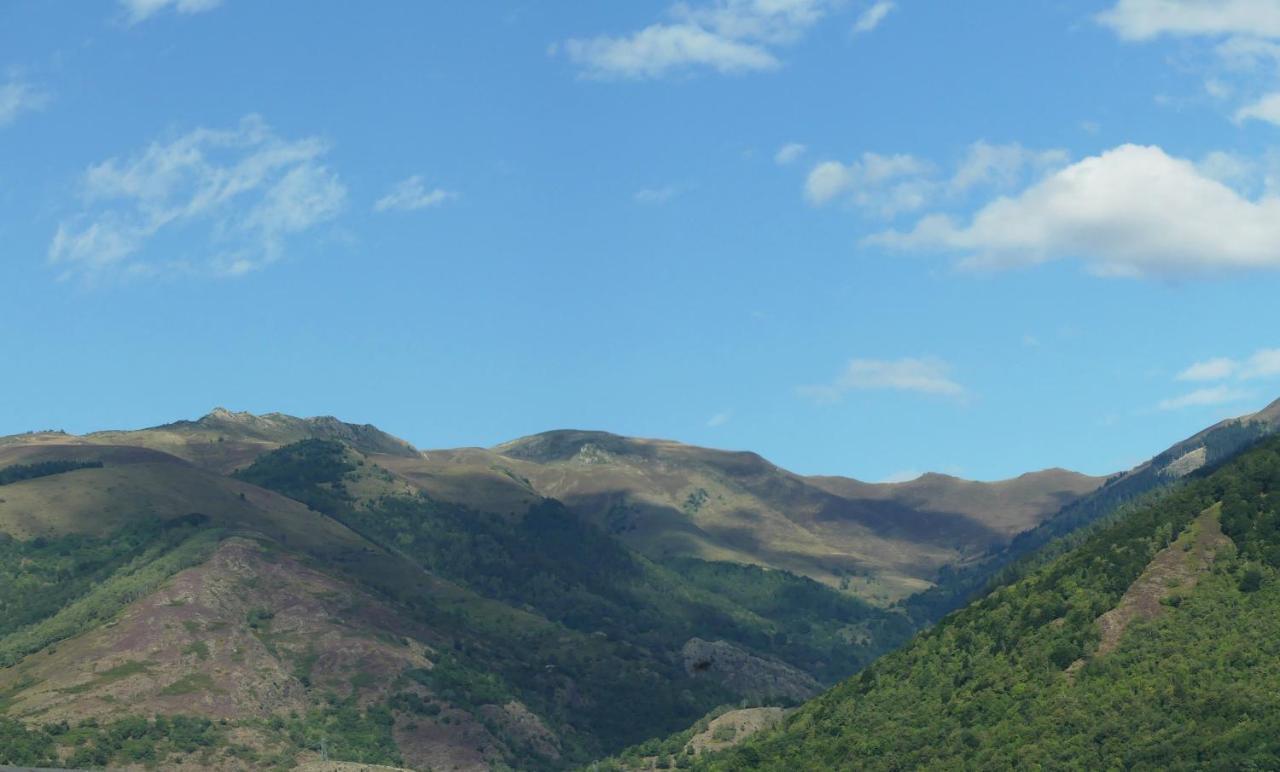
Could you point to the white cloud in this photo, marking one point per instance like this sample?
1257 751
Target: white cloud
1147 19
1209 370
789 153
1266 108
17 98
218 201
1131 211
1263 363
720 419
1001 165
1206 397
892 184
905 475
920 375
727 36
655 196
412 194
1229 169
141 10
887 183
871 18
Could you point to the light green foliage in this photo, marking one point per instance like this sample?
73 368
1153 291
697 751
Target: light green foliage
53 589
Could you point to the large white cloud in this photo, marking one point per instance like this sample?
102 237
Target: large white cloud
1146 19
219 201
727 36
1131 211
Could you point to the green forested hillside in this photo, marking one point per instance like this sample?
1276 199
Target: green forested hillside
1042 673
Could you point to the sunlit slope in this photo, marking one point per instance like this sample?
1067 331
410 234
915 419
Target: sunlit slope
666 499
1154 644
882 541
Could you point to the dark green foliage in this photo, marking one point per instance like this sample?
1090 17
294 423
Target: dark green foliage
132 740
1198 687
826 633
311 471
20 472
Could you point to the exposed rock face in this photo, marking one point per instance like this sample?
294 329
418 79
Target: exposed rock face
746 674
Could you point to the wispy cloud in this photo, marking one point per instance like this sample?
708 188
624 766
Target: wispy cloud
141 10
927 375
1132 211
1243 35
725 36
1263 363
1266 108
655 196
213 201
789 153
1148 19
412 194
871 18
720 419
17 98
892 184
902 476
1207 397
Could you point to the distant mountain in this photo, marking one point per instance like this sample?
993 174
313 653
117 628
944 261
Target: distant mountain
1149 644
669 500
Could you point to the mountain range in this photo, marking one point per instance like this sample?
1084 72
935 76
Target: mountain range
273 591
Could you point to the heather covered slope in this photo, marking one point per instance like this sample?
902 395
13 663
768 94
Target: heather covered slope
1151 644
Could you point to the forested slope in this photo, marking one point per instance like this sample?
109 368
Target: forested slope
1024 678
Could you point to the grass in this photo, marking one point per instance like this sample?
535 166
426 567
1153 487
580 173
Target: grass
120 672
192 683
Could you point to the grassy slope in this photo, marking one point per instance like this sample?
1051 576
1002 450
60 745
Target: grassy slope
878 541
1195 686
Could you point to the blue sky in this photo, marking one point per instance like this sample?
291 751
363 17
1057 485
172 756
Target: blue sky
865 238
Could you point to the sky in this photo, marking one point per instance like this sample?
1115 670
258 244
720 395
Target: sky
859 237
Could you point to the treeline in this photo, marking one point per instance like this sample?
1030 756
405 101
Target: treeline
20 472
